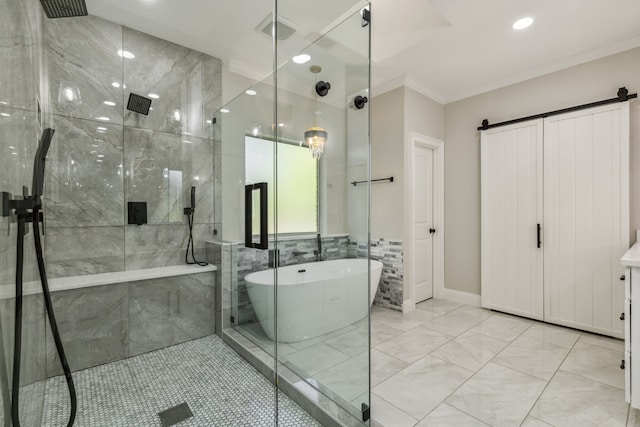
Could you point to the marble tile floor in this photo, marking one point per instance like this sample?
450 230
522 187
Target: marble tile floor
447 364
221 388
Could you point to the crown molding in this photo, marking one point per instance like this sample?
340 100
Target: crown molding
592 55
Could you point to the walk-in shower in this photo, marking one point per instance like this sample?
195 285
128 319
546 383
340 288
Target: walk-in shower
164 113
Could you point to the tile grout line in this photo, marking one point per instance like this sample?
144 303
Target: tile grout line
410 364
551 379
474 374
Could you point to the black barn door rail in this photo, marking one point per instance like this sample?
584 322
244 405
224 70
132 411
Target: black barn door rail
623 95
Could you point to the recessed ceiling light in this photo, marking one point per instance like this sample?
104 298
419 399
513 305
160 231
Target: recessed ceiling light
154 96
100 155
109 103
104 119
101 128
115 84
523 23
126 54
301 59
250 92
5 115
225 110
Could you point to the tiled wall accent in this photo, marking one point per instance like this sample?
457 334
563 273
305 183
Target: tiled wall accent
390 253
103 324
104 156
242 261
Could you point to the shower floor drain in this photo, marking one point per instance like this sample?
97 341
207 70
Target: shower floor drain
175 415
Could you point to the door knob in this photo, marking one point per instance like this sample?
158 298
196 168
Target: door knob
621 316
432 230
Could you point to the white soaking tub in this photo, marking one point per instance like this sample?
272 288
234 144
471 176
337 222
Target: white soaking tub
313 298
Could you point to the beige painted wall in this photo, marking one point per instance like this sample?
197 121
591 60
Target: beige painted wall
581 84
394 116
387 159
423 115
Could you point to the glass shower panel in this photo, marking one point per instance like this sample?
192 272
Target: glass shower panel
247 193
323 277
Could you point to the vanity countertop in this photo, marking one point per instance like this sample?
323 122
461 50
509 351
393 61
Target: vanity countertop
632 257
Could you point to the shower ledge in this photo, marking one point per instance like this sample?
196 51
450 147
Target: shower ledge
77 282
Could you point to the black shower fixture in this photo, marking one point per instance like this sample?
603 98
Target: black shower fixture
64 8
322 88
359 102
139 104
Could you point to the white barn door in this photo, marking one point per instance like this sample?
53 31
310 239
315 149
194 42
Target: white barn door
511 215
586 185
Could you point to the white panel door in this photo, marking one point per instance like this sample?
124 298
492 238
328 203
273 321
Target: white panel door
422 222
586 216
511 210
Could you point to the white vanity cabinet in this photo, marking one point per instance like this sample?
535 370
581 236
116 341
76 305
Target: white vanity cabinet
632 325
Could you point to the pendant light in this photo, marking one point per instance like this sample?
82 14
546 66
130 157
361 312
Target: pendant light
316 136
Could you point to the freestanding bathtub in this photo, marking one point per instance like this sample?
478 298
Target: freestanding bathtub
313 298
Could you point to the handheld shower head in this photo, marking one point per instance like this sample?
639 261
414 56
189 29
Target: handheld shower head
38 163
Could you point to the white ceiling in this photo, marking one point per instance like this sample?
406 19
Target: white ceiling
447 49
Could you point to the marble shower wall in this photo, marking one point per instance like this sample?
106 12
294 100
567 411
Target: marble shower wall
104 156
104 324
20 66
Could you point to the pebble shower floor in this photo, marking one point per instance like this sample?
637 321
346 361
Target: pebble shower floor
221 388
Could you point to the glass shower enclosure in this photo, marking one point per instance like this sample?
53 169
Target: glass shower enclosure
295 213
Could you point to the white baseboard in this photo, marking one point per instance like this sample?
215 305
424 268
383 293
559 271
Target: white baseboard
461 297
408 305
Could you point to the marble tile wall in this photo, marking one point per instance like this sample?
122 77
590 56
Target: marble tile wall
167 312
105 156
20 64
104 324
390 253
94 326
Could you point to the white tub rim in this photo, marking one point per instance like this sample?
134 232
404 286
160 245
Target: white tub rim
269 272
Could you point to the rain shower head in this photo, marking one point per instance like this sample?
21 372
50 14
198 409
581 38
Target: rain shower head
139 104
64 8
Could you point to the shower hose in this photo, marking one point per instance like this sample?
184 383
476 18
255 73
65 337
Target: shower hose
23 218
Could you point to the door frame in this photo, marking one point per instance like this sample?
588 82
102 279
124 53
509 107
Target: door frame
437 146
